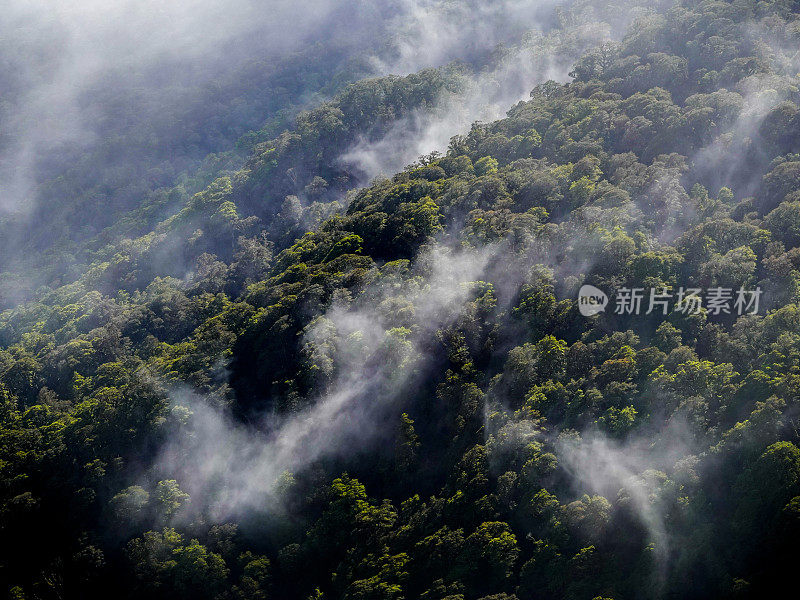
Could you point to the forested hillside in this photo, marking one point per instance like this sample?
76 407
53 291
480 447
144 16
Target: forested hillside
280 372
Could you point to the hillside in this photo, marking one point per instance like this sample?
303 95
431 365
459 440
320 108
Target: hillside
291 369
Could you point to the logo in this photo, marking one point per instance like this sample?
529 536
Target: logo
591 300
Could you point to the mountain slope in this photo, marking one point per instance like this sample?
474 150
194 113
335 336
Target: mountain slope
391 392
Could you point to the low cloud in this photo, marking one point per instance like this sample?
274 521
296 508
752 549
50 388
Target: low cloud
229 468
485 96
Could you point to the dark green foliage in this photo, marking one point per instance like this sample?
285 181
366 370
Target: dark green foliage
523 451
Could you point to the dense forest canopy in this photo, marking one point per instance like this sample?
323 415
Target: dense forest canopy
309 326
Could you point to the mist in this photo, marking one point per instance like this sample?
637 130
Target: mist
62 58
631 471
229 468
108 102
487 93
56 53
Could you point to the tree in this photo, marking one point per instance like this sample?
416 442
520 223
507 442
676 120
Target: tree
784 223
169 498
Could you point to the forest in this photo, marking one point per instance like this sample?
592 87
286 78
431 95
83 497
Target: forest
309 326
